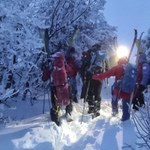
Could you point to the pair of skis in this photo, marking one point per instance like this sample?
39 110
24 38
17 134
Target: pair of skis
137 42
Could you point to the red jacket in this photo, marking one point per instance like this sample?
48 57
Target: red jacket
47 72
73 67
116 71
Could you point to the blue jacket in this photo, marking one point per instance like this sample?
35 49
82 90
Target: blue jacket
145 74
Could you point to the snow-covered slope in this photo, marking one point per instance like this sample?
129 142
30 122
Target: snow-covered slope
26 127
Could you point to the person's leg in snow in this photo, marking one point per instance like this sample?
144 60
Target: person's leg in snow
73 89
69 109
54 113
91 105
97 97
125 110
96 108
90 98
114 104
94 99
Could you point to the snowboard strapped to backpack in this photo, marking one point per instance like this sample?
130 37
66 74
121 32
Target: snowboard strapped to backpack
128 80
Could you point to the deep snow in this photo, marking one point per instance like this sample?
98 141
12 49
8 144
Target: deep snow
26 127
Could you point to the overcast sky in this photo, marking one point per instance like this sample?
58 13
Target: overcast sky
128 15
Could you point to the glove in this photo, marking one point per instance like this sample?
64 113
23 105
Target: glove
138 101
89 75
46 74
97 77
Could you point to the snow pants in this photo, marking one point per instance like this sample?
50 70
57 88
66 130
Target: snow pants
94 98
73 88
125 107
54 111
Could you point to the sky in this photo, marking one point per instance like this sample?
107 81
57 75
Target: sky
128 15
25 127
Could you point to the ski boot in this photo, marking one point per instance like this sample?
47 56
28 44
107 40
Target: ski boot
91 110
75 99
54 113
69 109
95 114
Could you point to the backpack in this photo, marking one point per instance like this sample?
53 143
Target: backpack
149 77
59 77
98 61
145 74
128 80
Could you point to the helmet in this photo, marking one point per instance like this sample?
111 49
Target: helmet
122 60
58 59
71 53
58 55
148 55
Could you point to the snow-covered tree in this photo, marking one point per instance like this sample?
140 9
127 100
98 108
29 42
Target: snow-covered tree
64 23
142 118
146 41
81 22
20 45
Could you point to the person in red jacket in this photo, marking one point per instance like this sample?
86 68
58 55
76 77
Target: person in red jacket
117 94
59 87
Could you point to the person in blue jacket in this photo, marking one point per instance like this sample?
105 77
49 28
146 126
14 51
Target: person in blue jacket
142 80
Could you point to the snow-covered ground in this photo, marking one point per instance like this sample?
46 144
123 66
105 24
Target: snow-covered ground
26 127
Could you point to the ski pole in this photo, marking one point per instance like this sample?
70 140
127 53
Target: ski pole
49 99
44 101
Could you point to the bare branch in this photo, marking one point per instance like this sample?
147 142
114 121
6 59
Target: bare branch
71 22
53 16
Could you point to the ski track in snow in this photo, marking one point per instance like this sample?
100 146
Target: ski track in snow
72 135
35 131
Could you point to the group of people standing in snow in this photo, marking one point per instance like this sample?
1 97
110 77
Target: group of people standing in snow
93 69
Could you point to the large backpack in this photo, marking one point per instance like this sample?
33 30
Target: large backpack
128 80
98 61
59 77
